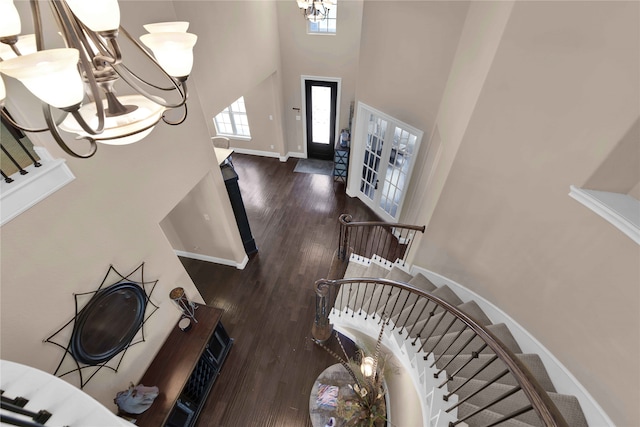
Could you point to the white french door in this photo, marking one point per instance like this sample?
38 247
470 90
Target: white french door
385 149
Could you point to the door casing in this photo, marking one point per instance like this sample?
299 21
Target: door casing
303 113
358 142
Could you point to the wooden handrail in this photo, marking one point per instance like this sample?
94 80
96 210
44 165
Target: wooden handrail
347 220
535 393
367 238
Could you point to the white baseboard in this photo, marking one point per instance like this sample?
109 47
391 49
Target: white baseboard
257 153
296 155
562 378
200 257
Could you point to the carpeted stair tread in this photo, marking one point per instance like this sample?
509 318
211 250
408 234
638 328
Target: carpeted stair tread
355 269
422 283
362 293
398 274
421 317
486 417
425 327
532 361
375 270
444 292
500 330
413 312
568 405
377 302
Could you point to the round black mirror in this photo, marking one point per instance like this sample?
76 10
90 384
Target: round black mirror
108 323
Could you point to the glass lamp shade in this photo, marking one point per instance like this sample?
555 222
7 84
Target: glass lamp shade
167 27
117 129
173 51
366 367
9 19
26 44
304 4
51 75
98 15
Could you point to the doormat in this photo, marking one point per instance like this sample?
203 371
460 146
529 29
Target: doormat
320 167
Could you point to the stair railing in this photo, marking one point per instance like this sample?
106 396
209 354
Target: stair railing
16 156
401 304
388 240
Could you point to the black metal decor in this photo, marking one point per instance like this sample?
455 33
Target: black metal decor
107 325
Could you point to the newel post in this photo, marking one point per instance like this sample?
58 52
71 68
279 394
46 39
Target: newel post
322 329
343 242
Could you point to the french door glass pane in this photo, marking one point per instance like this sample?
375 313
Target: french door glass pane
404 144
321 114
377 129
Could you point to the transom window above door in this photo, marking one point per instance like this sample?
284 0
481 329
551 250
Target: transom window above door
327 26
233 122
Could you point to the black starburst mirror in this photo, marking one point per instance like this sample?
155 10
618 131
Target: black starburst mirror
107 325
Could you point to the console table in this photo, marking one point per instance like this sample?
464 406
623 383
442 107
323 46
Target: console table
340 163
185 369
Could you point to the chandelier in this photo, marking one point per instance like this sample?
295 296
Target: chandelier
76 83
315 11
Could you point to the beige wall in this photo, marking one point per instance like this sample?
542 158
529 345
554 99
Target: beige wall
110 215
237 48
406 55
620 170
560 94
478 42
189 226
264 113
333 56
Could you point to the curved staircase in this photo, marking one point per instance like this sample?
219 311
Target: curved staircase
31 397
457 376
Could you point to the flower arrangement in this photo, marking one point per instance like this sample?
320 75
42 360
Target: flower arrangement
367 408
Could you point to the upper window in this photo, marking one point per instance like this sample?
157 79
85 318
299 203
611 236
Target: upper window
232 121
327 25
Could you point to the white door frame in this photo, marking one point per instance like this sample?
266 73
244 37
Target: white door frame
303 112
357 157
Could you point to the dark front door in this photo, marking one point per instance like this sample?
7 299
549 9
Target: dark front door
320 102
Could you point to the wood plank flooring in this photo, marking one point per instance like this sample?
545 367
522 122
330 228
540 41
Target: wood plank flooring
269 306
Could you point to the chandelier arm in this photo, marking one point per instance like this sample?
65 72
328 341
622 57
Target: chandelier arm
13 123
82 122
132 74
120 69
72 38
130 133
46 109
182 118
132 80
37 23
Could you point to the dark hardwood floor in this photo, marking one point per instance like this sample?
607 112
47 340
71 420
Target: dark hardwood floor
269 306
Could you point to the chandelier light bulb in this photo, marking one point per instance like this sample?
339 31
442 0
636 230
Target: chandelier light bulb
167 27
9 19
366 367
173 51
98 15
51 75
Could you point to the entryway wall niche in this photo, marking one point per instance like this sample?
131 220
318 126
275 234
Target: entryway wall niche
202 225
